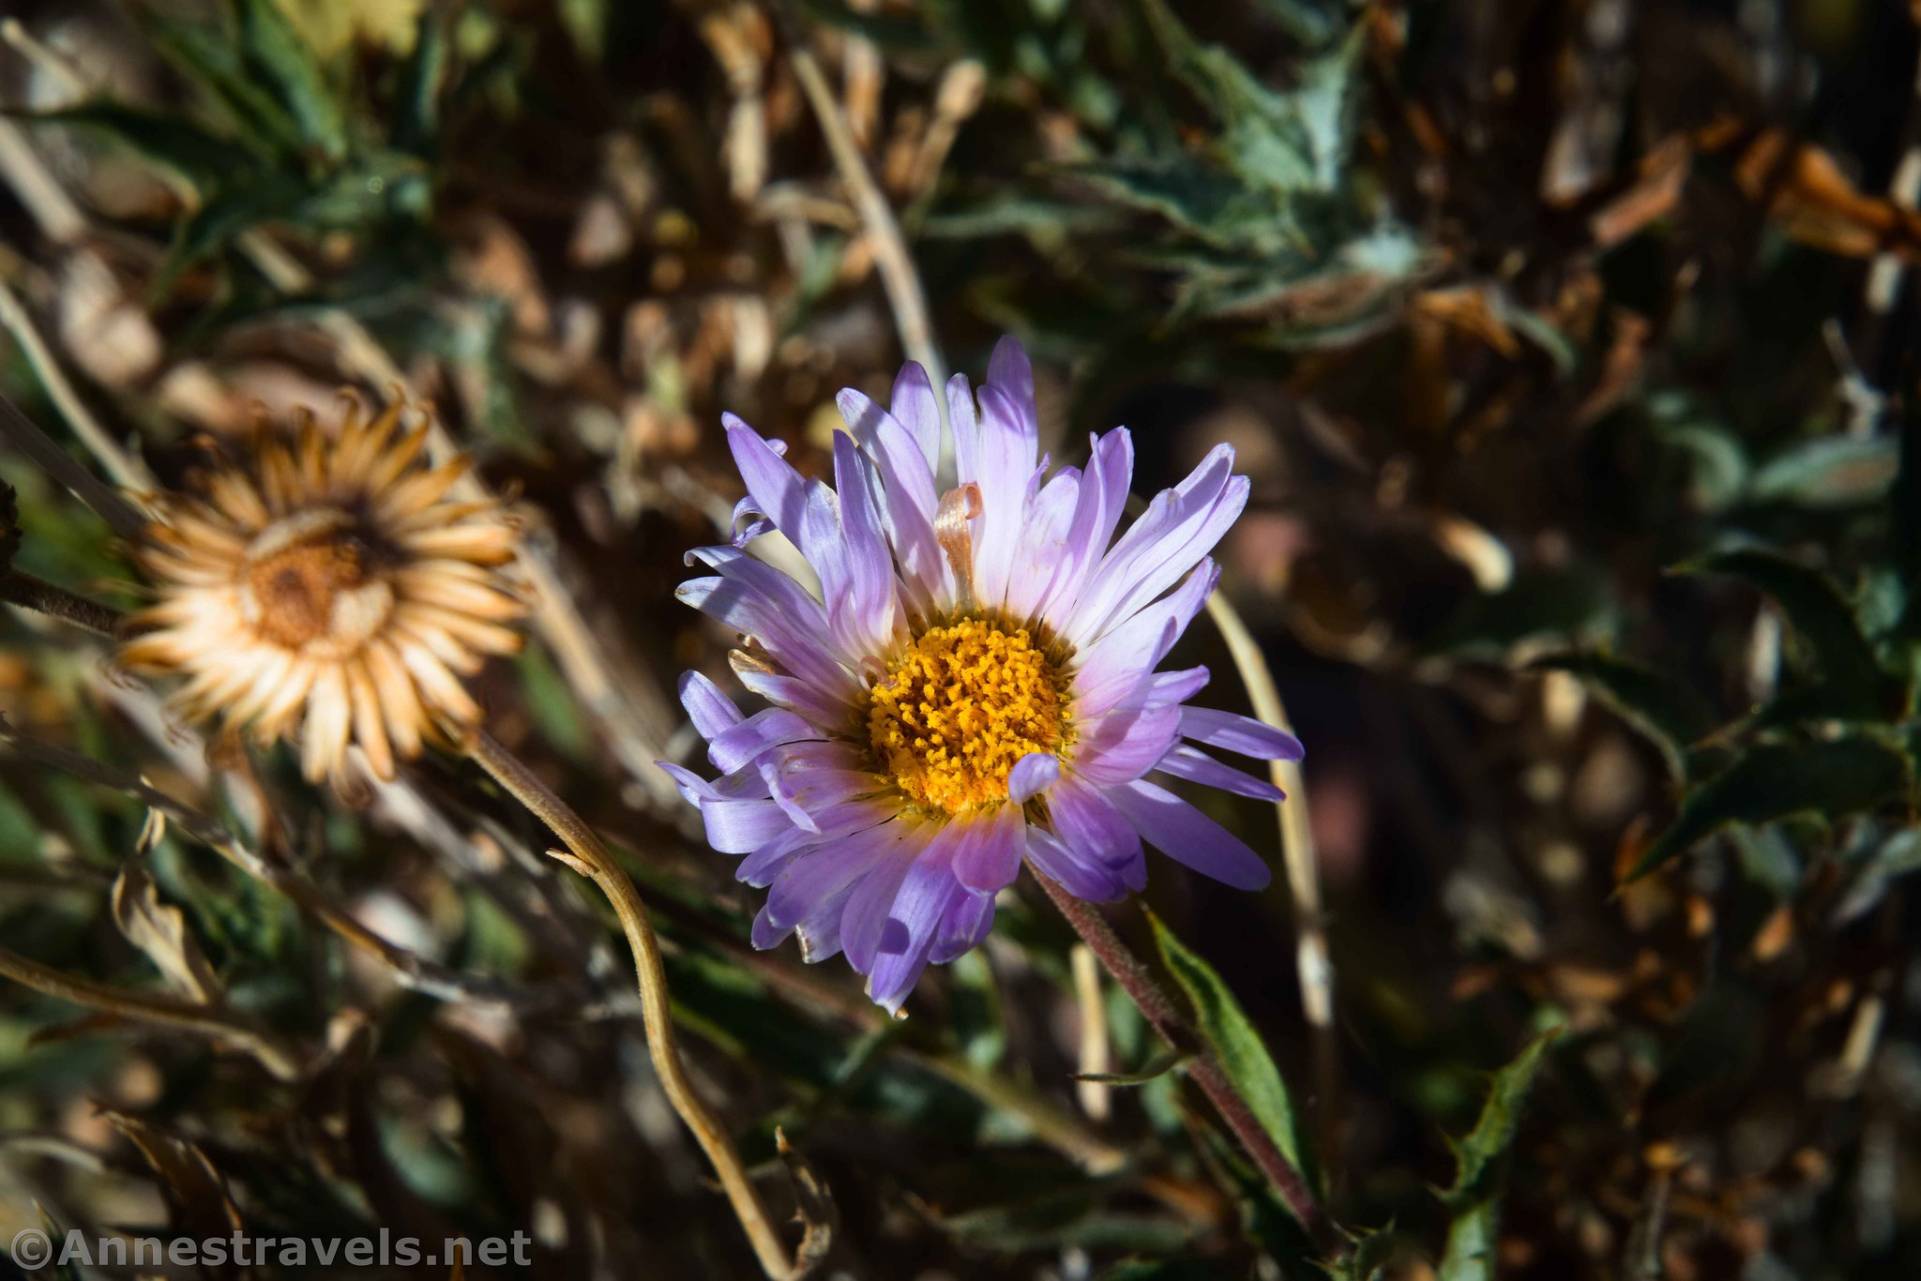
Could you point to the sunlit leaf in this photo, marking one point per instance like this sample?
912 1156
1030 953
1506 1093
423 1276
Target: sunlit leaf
1237 1046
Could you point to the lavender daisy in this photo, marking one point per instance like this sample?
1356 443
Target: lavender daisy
973 684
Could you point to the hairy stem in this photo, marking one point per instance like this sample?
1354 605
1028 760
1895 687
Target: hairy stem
588 856
18 587
1167 1019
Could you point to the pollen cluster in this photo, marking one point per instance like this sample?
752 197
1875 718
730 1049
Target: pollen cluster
959 707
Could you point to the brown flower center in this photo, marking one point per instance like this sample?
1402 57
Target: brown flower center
312 581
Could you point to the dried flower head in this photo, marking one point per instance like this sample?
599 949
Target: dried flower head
328 582
976 686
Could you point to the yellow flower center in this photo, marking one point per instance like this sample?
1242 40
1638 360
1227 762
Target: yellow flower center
959 707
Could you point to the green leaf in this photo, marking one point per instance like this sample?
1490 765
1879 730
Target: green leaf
1231 1037
1666 711
209 57
1836 471
286 65
1481 1167
1830 778
1197 199
1815 608
1284 142
1904 499
1370 1253
1158 1067
418 123
169 141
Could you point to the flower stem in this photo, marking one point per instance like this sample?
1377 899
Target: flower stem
20 588
1167 1019
588 856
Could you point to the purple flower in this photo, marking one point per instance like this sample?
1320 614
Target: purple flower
973 683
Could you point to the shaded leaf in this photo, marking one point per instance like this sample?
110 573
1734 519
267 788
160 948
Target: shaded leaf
1283 141
1833 778
1839 471
289 70
1160 1066
1235 1044
1667 711
1370 1253
1473 1202
1812 604
170 141
208 56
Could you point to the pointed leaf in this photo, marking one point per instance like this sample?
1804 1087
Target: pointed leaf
1481 1167
1835 471
170 141
1667 711
1231 1036
1833 778
286 66
1812 603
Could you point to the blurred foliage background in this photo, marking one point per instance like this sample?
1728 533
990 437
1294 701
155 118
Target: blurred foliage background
1569 344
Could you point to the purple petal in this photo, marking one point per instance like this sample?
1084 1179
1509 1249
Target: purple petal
796 695
739 827
1199 767
918 410
1100 498
1241 734
1095 882
1032 774
766 933
1172 687
1180 526
693 788
965 423
1188 836
761 867
962 927
910 504
870 565
770 727
925 896
755 598
817 875
1126 743
1121 660
991 858
776 488
711 711
1010 370
1042 544
1008 448
865 924
1087 823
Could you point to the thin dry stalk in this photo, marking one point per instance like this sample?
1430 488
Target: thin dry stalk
18 431
588 856
281 1061
127 471
1313 960
897 274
